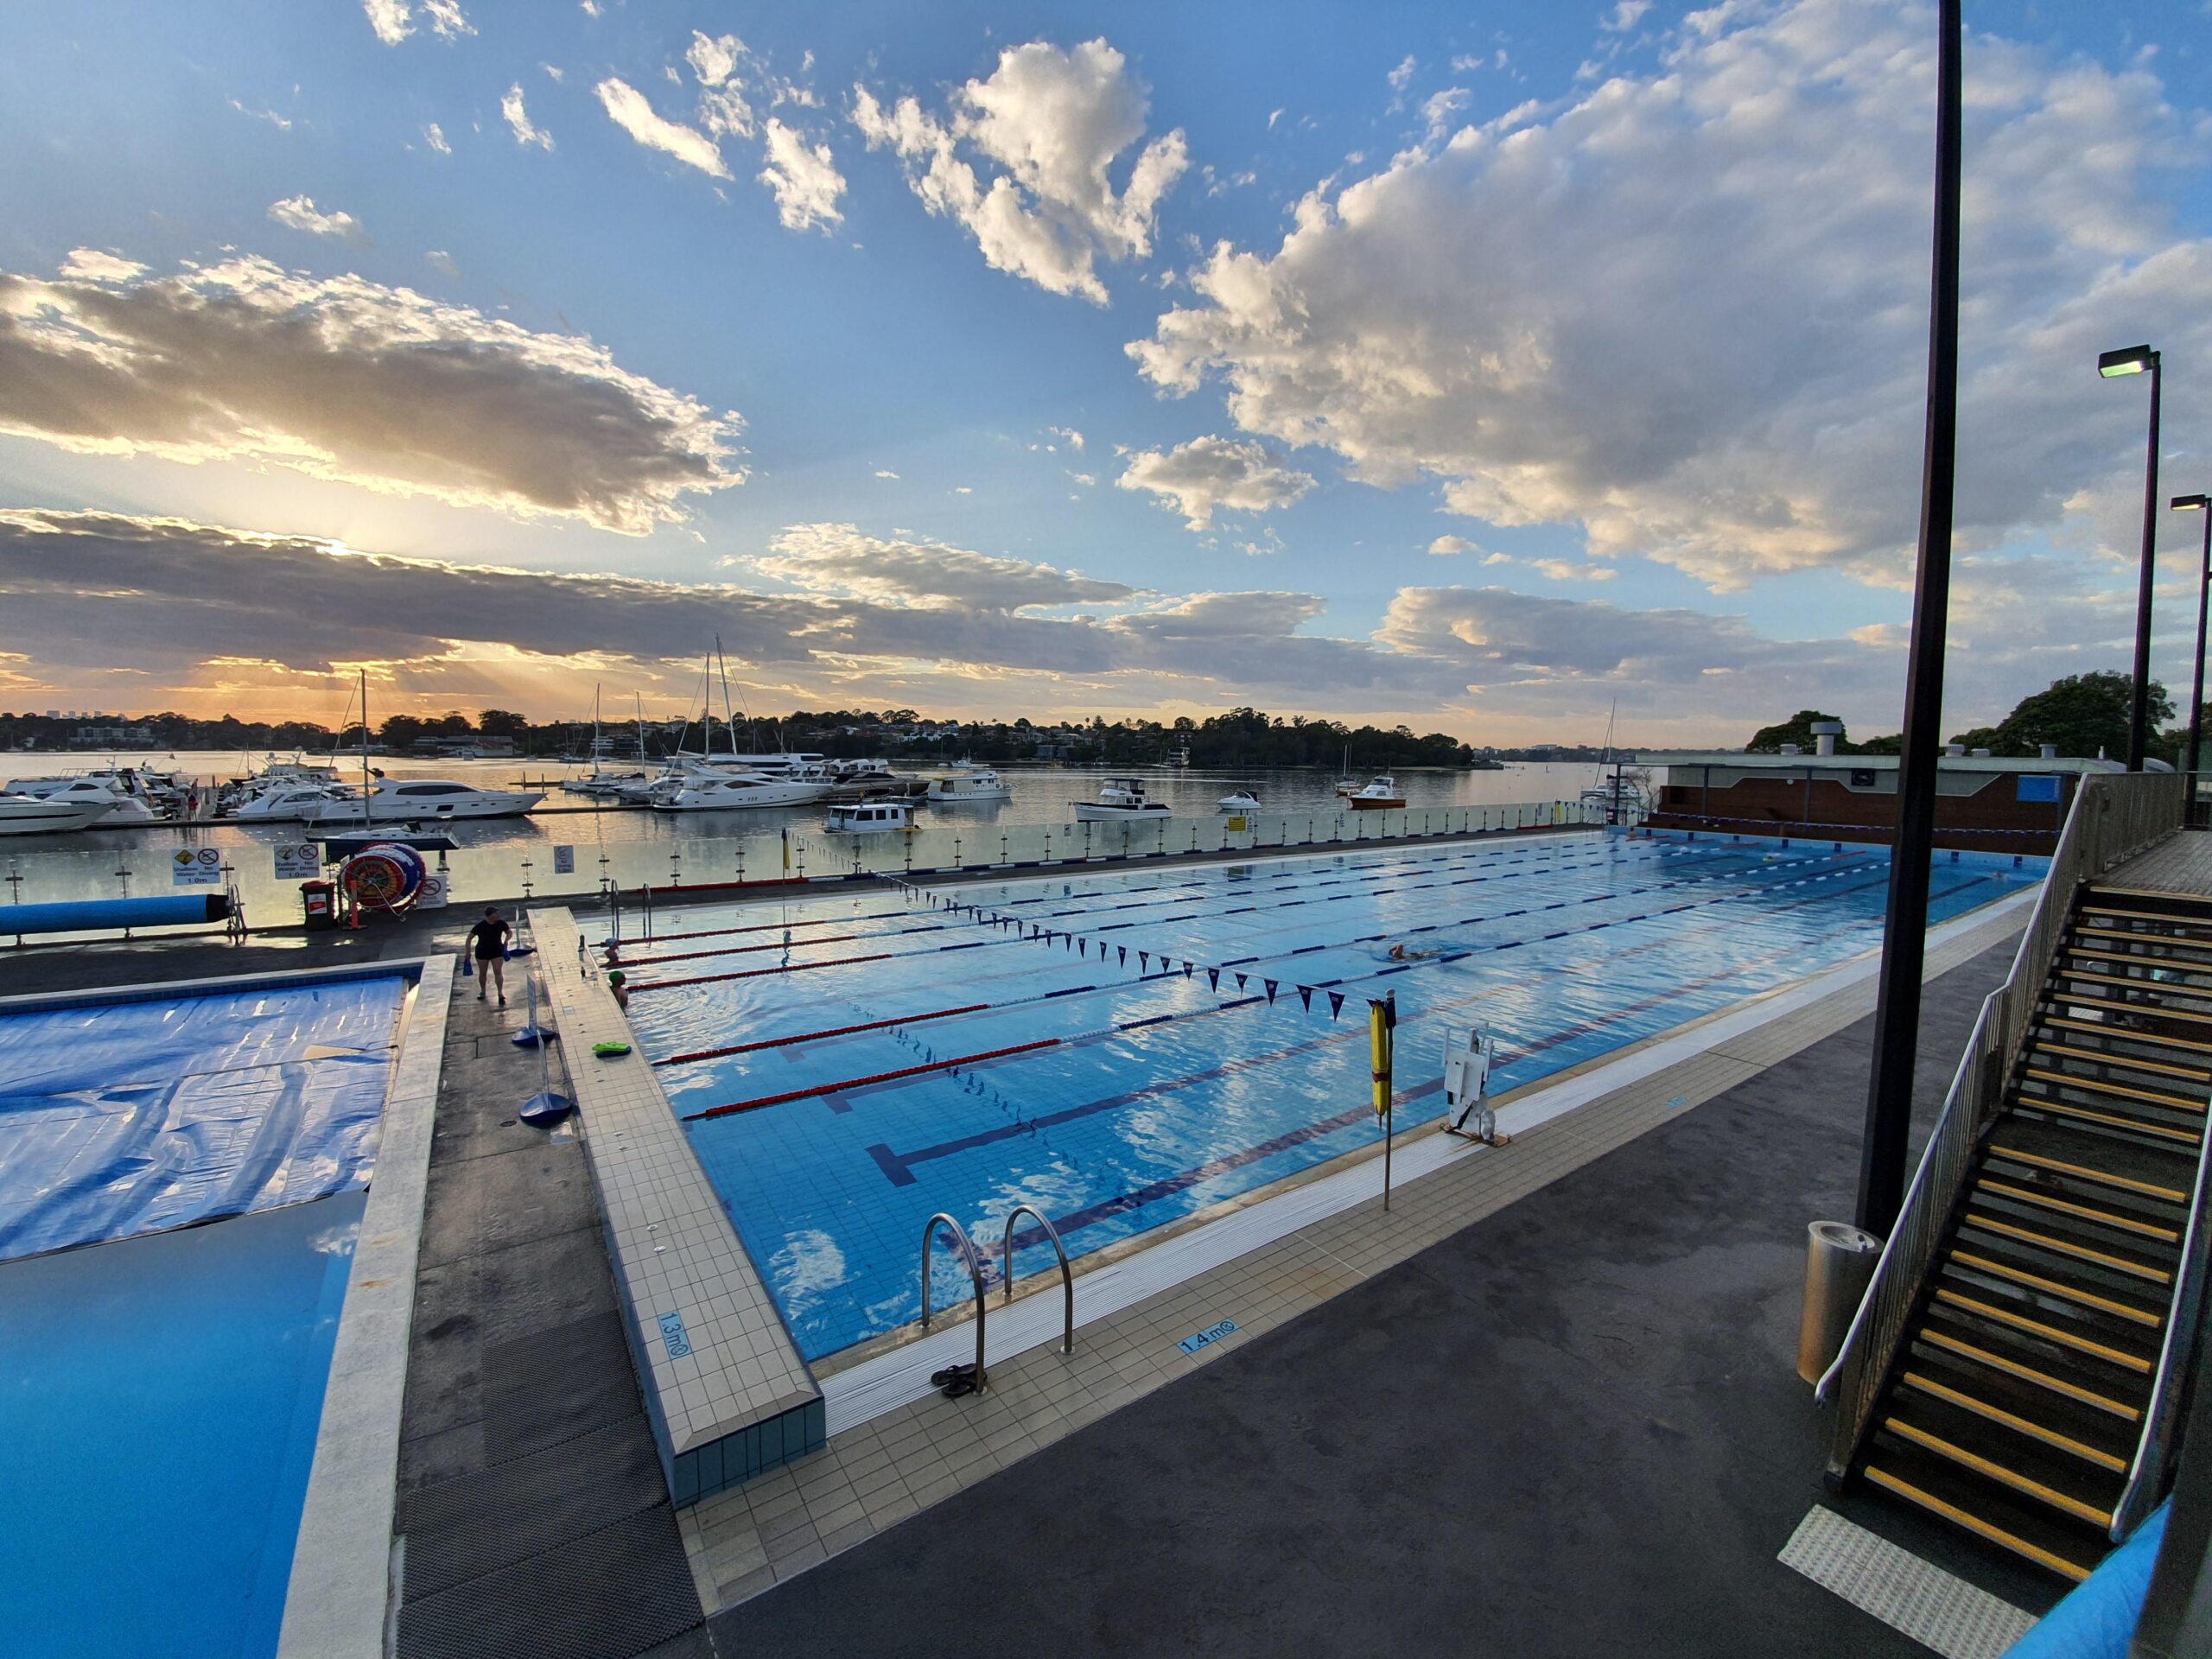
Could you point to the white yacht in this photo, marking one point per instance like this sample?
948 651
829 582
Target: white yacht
871 818
1120 798
109 791
969 783
397 800
724 792
295 803
1239 800
33 814
1380 792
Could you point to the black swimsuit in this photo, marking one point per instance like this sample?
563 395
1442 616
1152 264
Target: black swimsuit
491 940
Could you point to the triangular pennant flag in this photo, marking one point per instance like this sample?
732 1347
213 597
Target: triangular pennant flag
1270 984
1124 956
1336 1003
1306 997
1144 960
1082 947
1240 981
1213 978
1187 971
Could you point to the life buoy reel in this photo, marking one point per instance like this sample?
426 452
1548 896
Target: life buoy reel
386 876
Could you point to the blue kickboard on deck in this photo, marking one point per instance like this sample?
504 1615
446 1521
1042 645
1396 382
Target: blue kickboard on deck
134 1117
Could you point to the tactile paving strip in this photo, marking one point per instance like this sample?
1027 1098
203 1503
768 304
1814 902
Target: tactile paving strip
1956 1619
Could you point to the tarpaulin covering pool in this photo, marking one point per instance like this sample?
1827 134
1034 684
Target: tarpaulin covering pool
1124 1049
131 1118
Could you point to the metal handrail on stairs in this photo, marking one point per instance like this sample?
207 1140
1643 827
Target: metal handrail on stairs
975 1274
2113 819
1067 1273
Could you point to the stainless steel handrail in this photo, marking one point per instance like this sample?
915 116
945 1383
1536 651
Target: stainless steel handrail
2113 819
1067 1273
975 1274
2161 1412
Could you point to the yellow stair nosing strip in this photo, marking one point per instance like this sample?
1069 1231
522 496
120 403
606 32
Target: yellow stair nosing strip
2067 1080
1991 1470
2097 1057
2101 1218
2172 1195
2089 1397
2144 916
2147 1040
2051 1286
2066 1109
2052 1333
2067 1246
1975 1524
2147 1010
2065 1443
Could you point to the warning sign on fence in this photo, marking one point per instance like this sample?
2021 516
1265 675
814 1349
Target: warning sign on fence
196 867
564 861
298 860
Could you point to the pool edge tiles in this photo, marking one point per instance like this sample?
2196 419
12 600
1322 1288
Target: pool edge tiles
726 1391
337 1598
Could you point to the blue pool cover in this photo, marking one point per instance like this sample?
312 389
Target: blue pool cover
1125 1049
134 1117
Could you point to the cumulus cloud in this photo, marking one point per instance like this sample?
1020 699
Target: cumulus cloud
93 265
346 378
299 214
1049 128
805 178
1531 317
630 111
841 559
1443 546
526 132
394 21
434 135
1067 434
1626 16
1210 472
714 59
441 262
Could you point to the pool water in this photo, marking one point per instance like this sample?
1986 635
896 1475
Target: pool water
1123 1050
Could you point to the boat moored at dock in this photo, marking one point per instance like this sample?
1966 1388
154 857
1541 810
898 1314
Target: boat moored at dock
871 818
1379 794
1120 798
969 783
399 800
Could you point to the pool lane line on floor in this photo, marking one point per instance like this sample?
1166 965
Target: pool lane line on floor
1050 936
992 1055
859 1392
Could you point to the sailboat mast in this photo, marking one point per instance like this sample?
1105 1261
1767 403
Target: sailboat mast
364 748
729 714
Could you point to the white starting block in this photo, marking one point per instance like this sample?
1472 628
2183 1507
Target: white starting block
1467 1057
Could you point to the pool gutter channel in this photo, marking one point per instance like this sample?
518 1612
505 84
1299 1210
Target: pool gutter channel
341 1590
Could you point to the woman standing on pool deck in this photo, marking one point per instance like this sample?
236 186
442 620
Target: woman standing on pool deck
489 936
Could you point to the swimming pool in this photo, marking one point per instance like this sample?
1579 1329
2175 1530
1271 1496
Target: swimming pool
1124 1049
162 1380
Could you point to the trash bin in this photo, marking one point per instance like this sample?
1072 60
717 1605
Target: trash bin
318 903
1839 1265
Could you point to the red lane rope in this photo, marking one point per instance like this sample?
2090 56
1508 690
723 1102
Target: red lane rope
740 949
758 973
862 1083
811 1036
762 927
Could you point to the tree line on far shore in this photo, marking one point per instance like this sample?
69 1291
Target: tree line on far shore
2085 714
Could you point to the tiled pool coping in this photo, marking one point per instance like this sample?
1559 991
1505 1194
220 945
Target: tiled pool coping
725 1390
335 1606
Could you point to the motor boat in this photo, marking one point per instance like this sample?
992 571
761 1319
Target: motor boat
34 815
969 783
871 818
1380 792
1239 800
399 800
294 803
1120 798
109 791
724 791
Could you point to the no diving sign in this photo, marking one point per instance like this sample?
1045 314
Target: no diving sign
196 867
298 860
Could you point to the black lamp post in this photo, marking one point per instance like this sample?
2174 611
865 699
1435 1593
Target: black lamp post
2198 504
2135 359
1904 926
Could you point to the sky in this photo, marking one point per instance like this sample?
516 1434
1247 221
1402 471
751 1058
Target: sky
1485 368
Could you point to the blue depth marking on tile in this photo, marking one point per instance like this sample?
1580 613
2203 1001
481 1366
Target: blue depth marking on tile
1207 1338
671 1332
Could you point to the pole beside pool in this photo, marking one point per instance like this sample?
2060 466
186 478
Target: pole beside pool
1382 1043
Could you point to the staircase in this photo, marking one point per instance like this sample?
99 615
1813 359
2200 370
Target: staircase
2024 1381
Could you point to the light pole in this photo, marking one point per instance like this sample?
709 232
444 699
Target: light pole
2135 359
2198 504
1904 927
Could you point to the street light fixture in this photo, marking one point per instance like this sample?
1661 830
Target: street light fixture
2137 359
2198 504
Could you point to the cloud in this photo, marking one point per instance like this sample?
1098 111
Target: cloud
519 121
805 180
1210 473
393 19
1567 571
345 378
1403 74
1530 318
1068 434
628 108
441 262
1438 109
714 61
299 214
1049 127
434 135
1626 16
91 265
282 122
884 471
840 559
1443 546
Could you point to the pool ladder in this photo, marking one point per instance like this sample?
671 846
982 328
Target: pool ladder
975 1266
